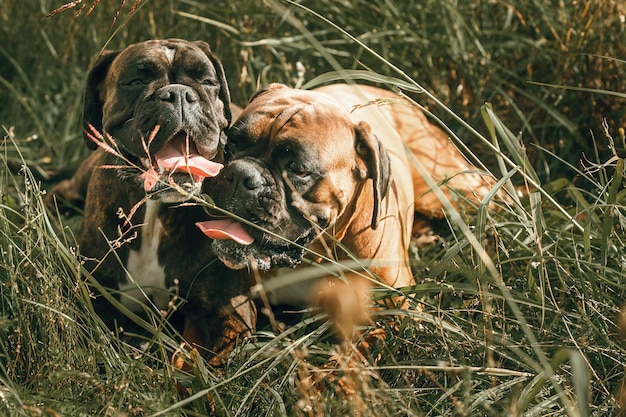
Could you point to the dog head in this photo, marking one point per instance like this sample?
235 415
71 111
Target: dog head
299 168
162 106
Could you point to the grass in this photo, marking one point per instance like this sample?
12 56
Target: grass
518 304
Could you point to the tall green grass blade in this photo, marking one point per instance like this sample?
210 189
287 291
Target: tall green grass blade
616 185
580 380
510 141
583 89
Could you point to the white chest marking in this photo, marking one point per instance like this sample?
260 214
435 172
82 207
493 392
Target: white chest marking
146 277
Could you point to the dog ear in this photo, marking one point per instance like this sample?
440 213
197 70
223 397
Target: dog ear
378 165
92 104
219 69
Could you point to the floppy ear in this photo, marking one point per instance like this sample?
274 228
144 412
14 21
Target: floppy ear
219 69
378 165
92 104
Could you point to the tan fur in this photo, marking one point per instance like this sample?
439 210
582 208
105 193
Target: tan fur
398 126
397 117
346 138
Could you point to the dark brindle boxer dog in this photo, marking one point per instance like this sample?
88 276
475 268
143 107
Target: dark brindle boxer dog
307 173
161 107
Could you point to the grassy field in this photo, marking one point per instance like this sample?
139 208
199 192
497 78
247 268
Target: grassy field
518 305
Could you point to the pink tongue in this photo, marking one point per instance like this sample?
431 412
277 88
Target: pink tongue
172 159
225 229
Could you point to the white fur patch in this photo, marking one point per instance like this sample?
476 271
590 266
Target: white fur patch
146 277
169 54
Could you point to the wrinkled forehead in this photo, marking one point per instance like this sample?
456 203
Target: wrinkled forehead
288 112
153 54
313 119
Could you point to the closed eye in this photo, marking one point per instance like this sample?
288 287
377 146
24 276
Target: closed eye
210 82
136 81
297 169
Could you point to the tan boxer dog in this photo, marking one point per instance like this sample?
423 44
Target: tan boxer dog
316 176
158 110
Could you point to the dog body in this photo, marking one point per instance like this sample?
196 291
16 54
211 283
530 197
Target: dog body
161 106
323 175
306 175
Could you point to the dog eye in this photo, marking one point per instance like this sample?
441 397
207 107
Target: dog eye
297 169
210 82
135 81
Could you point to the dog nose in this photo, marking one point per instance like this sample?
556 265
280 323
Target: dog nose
244 176
178 94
